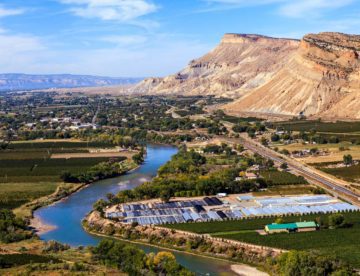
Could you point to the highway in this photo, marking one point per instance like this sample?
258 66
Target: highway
311 175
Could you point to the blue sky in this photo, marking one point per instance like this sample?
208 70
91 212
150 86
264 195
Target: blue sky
148 37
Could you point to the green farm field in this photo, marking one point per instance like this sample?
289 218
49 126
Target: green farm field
30 162
234 225
336 127
280 190
41 170
282 178
21 145
27 171
237 120
13 195
351 173
342 243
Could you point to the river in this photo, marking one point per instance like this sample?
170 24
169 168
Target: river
66 215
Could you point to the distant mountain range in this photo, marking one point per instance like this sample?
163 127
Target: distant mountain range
16 82
318 76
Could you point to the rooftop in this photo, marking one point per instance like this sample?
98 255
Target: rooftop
295 225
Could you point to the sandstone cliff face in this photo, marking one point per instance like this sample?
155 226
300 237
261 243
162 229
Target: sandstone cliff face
322 79
239 64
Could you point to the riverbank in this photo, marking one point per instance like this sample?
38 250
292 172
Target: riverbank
181 241
246 270
238 269
40 226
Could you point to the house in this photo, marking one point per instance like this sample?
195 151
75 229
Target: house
306 226
250 175
246 175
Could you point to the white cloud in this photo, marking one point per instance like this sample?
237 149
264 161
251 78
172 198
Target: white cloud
115 10
10 12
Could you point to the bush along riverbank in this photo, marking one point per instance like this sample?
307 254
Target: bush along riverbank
103 170
181 240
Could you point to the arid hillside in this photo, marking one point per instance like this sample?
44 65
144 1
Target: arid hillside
238 65
318 76
321 80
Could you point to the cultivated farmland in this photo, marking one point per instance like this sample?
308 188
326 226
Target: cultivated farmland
337 127
342 242
28 171
13 195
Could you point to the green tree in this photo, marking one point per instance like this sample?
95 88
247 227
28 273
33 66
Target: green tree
264 141
100 205
348 159
165 196
275 137
299 263
138 158
336 220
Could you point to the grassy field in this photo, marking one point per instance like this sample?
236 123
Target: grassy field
337 127
351 173
282 178
220 160
280 190
343 137
335 154
342 243
237 120
13 195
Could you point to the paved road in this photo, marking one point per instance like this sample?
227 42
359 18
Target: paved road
93 121
308 173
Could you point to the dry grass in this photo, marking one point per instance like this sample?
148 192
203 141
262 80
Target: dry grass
335 154
47 140
126 154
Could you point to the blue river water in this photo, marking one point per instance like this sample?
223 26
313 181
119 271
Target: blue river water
66 215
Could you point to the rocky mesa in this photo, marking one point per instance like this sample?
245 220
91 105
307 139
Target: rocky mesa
240 63
318 76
